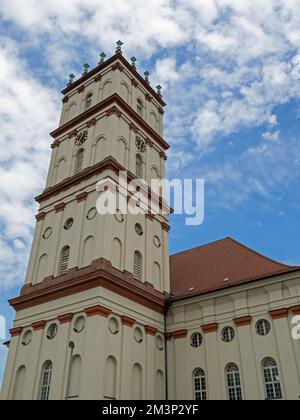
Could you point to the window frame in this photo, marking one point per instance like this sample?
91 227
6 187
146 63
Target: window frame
199 381
46 378
272 387
233 382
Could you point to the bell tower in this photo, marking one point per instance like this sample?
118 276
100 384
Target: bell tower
89 320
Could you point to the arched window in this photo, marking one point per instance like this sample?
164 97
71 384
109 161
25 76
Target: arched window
64 260
139 107
271 379
137 382
18 391
88 101
139 166
110 379
199 380
46 380
138 266
75 377
233 382
78 161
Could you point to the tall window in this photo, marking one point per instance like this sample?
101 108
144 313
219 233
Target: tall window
88 101
137 265
233 382
64 260
139 107
46 380
271 379
78 161
139 166
200 392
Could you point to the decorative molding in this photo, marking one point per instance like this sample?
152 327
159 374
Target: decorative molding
151 330
72 134
81 197
99 274
295 310
55 144
98 78
168 336
128 321
149 142
209 328
134 83
14 332
65 319
98 310
133 128
65 99
39 325
161 111
242 321
114 111
115 100
163 156
149 216
148 97
117 66
279 313
40 216
91 123
177 335
59 207
165 227
81 89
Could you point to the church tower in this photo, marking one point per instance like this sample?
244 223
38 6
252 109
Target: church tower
90 318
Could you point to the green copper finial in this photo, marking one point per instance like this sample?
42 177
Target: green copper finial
71 79
86 67
102 57
147 74
119 46
158 90
133 62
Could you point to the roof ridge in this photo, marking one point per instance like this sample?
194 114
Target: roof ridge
200 246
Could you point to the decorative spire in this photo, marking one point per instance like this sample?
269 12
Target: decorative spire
119 46
133 61
158 90
86 67
102 57
147 74
71 79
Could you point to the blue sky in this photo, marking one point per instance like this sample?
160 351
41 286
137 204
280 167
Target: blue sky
230 72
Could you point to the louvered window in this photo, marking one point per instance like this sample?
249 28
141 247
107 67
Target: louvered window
138 266
79 161
139 166
64 260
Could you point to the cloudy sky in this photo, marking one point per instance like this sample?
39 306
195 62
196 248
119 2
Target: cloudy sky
230 72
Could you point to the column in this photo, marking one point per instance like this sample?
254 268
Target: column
212 360
33 378
150 360
94 353
180 364
10 369
288 371
78 240
53 260
34 255
249 368
148 249
166 263
126 358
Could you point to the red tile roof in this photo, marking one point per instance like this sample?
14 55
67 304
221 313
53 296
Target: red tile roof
218 265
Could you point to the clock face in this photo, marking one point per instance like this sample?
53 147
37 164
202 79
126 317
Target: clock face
81 138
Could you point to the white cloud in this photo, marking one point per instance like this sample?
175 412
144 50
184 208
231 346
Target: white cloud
271 136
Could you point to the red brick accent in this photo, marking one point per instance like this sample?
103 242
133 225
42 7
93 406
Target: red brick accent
81 197
168 336
91 123
295 310
14 332
279 313
72 134
117 66
65 319
40 216
209 328
151 330
241 321
59 207
165 227
128 321
55 144
98 310
40 325
133 128
177 335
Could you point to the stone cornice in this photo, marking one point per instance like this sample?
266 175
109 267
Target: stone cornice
279 313
65 319
242 321
177 335
98 310
110 62
115 100
128 321
209 328
151 330
14 332
99 274
39 325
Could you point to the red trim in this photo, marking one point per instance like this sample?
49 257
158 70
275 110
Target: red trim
59 207
177 335
65 319
40 216
279 313
242 321
81 197
14 332
128 321
209 328
40 325
98 310
295 310
151 330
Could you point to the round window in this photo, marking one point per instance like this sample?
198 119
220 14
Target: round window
138 335
263 327
52 331
139 229
27 337
79 324
157 241
119 216
228 334
196 340
159 343
113 326
91 214
69 223
47 233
